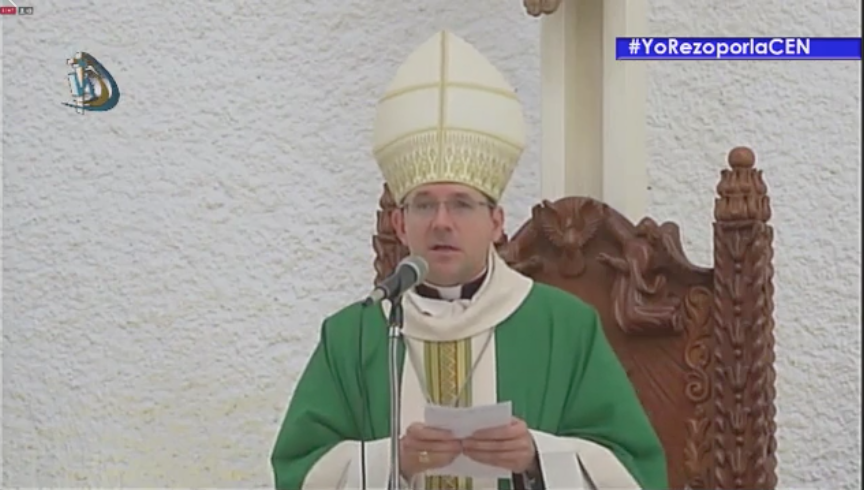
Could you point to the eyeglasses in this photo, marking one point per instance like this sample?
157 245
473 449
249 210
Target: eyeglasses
458 208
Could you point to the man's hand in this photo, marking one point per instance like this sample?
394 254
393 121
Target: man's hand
425 448
510 447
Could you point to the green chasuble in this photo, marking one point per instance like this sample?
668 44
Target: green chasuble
547 354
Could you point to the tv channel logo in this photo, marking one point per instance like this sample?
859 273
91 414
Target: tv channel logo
91 85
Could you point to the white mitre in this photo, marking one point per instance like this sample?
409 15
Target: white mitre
448 116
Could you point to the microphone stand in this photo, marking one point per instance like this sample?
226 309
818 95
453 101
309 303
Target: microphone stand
396 322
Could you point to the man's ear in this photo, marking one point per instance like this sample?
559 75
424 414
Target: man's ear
397 219
497 223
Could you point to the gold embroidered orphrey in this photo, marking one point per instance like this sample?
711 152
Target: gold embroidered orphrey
448 383
446 372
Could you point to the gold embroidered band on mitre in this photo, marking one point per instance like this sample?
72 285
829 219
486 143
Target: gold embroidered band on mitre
483 161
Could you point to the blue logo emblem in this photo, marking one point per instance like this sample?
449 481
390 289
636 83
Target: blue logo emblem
93 88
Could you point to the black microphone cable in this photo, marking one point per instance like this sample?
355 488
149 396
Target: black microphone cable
364 399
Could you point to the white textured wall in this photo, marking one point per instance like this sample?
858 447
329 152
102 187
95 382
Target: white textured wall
166 265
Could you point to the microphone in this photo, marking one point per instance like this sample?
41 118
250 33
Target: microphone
409 273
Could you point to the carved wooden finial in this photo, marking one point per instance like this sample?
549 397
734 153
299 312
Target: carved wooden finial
742 194
741 157
742 337
536 8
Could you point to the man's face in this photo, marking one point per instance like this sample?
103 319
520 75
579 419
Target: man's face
452 226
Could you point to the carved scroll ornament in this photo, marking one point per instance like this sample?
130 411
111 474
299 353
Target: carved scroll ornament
639 258
643 302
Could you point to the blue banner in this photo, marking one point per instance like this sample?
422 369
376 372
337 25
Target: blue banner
737 48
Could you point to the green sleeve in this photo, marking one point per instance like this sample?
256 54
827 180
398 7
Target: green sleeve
603 408
317 419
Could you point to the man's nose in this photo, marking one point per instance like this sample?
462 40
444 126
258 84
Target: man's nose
442 217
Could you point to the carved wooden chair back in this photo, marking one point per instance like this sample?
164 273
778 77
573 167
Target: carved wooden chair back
696 342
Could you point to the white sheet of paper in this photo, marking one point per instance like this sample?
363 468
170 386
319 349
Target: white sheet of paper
463 422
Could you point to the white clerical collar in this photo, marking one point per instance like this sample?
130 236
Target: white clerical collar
452 293
501 291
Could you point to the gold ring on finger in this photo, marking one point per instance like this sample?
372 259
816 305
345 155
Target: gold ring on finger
423 456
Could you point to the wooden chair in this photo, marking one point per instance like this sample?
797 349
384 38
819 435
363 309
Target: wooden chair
697 342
